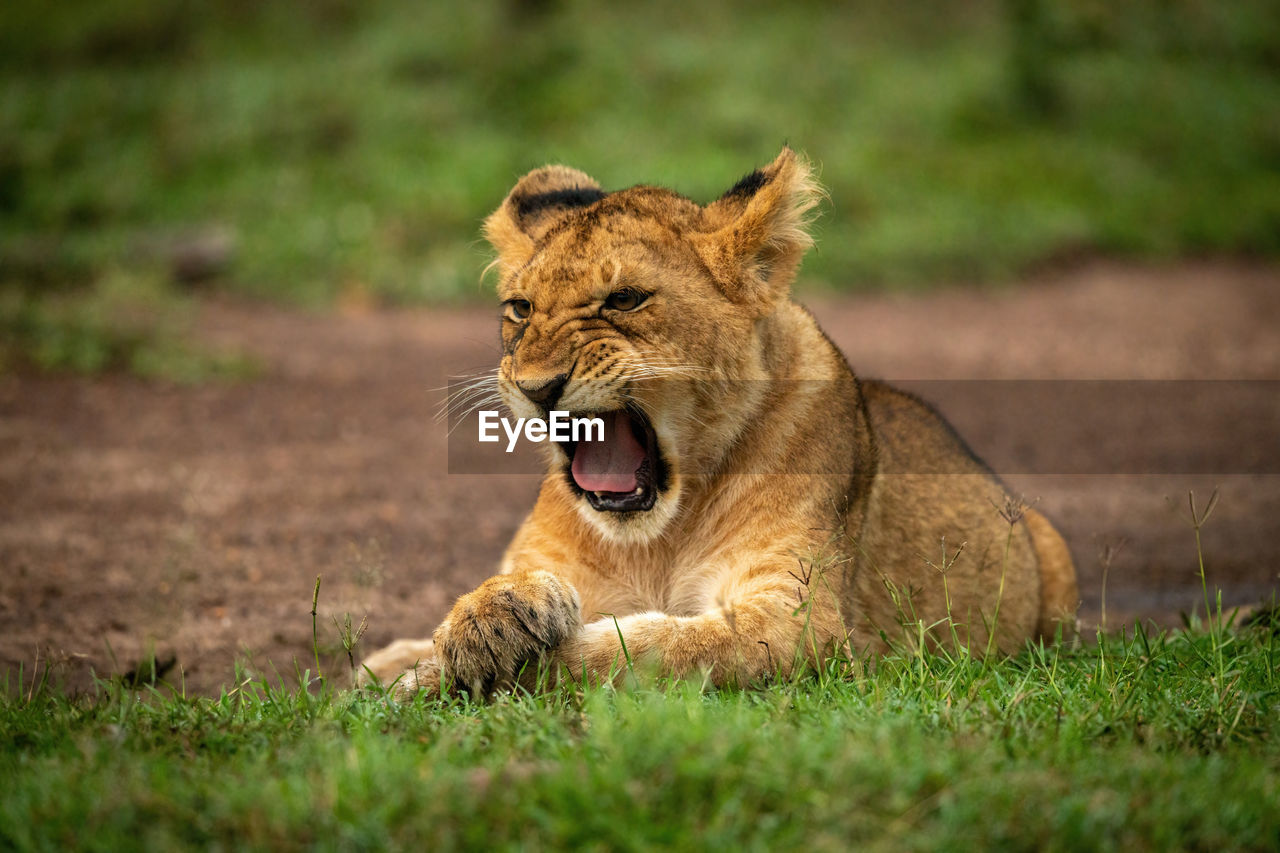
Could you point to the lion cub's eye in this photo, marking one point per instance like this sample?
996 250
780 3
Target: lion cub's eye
519 309
626 299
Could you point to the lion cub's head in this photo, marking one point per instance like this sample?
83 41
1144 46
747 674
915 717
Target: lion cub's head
642 308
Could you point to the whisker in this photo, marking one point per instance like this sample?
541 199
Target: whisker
467 403
467 378
462 416
468 393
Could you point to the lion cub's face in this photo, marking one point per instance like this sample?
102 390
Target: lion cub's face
634 307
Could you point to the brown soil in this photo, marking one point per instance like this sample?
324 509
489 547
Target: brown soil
194 521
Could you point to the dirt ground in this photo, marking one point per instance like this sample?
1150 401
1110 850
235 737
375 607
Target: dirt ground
192 522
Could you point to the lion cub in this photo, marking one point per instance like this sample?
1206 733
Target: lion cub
752 507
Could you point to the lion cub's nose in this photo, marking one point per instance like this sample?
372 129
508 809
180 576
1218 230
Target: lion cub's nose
544 392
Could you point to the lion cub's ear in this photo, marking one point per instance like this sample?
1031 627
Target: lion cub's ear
760 231
536 203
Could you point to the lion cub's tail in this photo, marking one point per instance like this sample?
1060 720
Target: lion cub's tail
1059 596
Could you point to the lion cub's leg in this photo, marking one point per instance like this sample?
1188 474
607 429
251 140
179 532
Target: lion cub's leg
388 663
759 637
1059 597
406 679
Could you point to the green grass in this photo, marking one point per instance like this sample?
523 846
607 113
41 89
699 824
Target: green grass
1134 741
1139 742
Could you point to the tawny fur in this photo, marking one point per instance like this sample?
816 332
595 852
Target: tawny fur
805 513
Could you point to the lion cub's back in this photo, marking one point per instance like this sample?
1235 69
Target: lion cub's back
931 486
913 437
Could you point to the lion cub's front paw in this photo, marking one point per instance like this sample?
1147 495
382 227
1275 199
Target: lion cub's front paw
497 633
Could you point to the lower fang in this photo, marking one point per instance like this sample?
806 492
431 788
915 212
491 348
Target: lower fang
638 490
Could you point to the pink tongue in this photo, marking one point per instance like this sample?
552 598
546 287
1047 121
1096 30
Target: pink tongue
609 465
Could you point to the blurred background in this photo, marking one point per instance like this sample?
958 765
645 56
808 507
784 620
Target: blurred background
345 151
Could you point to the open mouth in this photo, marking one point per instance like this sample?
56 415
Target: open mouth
624 471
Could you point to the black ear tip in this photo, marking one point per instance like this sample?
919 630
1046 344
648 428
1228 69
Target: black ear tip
748 186
528 205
